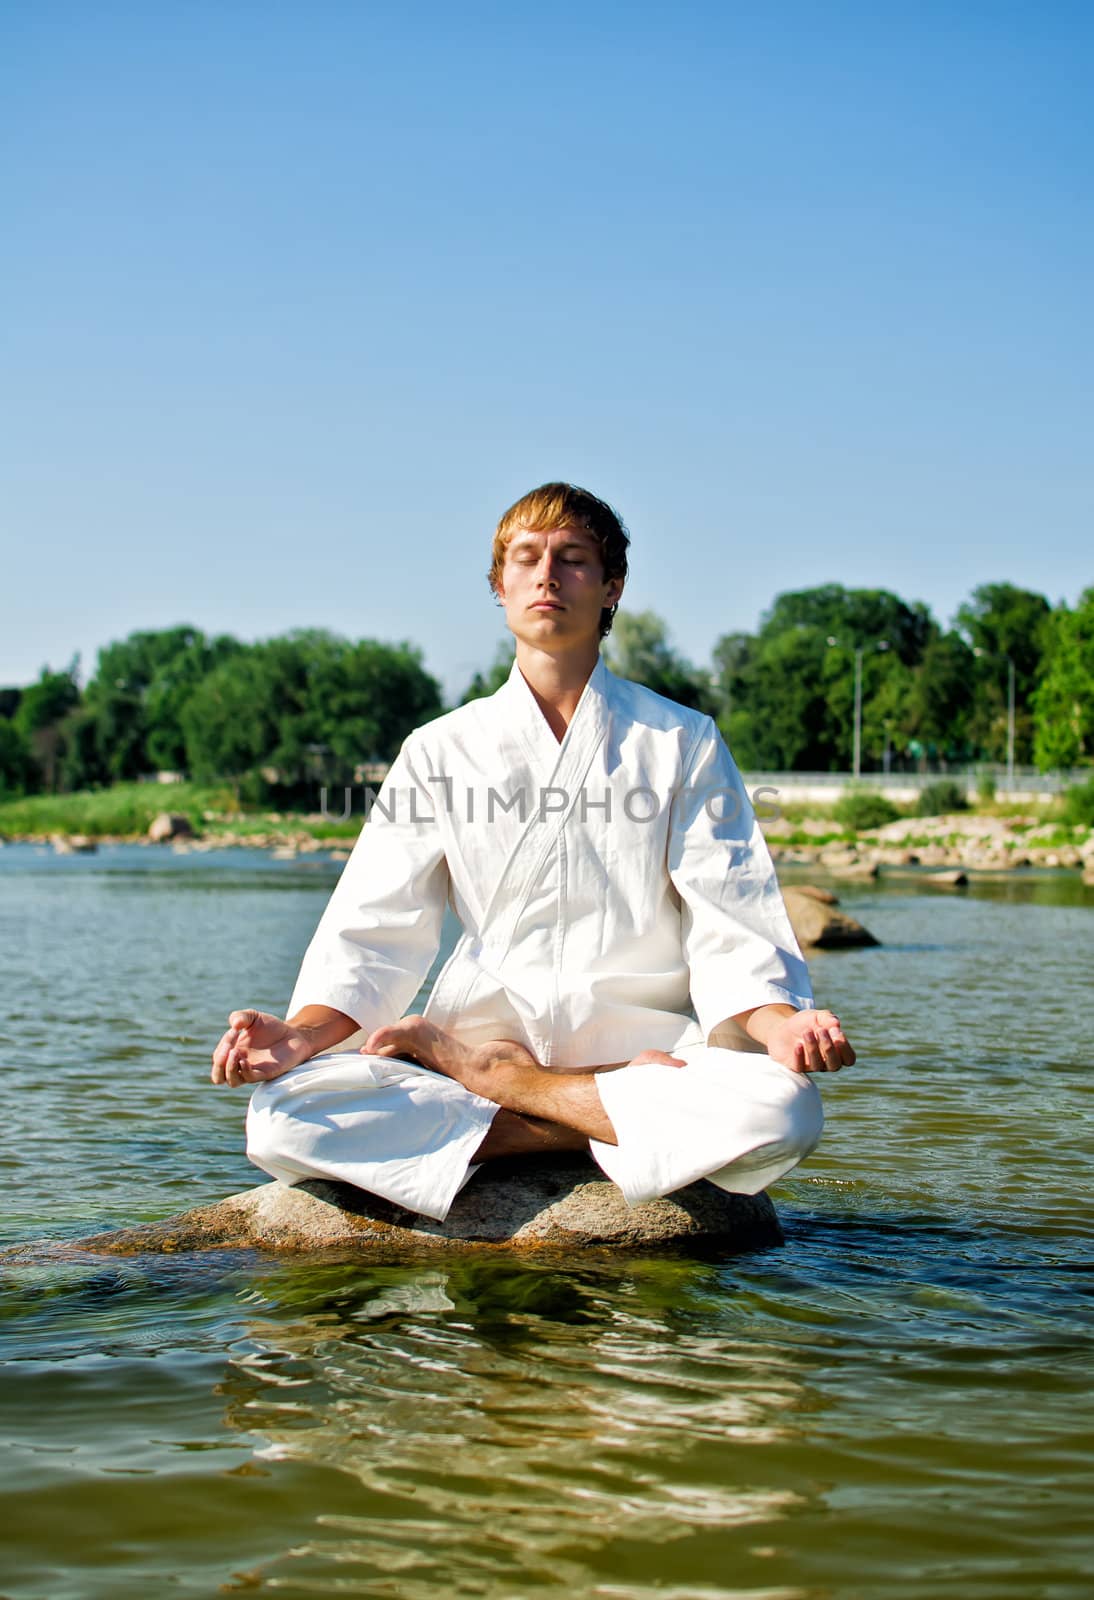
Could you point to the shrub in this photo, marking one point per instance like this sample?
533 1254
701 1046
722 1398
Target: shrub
985 789
862 808
939 798
1079 804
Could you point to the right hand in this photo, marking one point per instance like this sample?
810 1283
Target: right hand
256 1047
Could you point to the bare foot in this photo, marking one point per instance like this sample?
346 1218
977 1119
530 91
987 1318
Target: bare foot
415 1039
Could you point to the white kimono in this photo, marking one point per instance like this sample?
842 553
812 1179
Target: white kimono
615 895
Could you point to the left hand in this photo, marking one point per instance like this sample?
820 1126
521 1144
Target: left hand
810 1041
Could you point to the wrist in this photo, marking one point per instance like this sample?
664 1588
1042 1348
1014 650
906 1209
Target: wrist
320 1028
761 1023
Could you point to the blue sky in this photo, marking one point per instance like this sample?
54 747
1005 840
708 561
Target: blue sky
299 297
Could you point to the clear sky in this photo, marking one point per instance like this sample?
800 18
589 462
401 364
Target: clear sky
299 295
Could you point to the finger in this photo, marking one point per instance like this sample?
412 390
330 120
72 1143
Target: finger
238 1074
237 1067
846 1052
831 1060
811 1051
224 1044
243 1019
837 1050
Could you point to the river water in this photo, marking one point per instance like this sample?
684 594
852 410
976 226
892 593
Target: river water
895 1403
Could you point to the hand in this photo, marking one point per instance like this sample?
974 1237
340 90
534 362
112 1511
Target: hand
810 1041
256 1047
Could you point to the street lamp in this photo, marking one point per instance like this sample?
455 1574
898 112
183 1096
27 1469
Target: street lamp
856 761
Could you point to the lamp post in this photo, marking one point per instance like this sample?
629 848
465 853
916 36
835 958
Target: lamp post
856 758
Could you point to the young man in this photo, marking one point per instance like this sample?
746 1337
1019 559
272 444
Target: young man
626 978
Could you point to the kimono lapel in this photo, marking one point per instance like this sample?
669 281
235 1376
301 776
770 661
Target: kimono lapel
561 770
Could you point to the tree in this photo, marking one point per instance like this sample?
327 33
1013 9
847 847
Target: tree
230 720
16 767
44 703
1063 702
490 681
308 705
639 649
857 617
1002 624
137 693
939 701
42 709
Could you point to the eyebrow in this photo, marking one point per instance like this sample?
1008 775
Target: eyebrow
577 538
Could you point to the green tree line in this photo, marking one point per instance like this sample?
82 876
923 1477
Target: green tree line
274 718
279 716
784 695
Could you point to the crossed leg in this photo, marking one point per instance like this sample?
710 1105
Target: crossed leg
539 1110
410 1127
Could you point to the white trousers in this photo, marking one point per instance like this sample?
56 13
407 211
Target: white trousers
410 1135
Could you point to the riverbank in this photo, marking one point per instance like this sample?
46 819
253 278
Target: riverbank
966 841
125 813
987 839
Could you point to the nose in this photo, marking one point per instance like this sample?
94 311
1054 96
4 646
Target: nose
546 576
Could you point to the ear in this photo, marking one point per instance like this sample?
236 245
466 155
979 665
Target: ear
613 592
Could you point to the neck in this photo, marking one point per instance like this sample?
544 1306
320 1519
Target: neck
557 681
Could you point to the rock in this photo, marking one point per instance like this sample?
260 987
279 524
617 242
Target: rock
955 879
848 864
169 825
529 1204
818 924
825 896
895 856
835 858
73 844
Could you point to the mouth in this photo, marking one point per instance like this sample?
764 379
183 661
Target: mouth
546 605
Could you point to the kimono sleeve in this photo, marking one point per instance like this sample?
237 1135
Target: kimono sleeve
737 940
381 928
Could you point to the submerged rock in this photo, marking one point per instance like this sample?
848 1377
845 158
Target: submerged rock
529 1204
73 844
817 922
169 825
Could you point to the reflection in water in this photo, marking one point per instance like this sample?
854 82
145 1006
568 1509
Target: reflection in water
515 1425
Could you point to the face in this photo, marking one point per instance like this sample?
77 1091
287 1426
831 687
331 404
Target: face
552 587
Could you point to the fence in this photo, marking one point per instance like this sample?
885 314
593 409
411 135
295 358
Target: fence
1028 784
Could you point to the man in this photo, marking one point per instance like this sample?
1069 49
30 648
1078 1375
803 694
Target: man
626 978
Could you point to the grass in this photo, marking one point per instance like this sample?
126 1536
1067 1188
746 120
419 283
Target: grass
127 809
